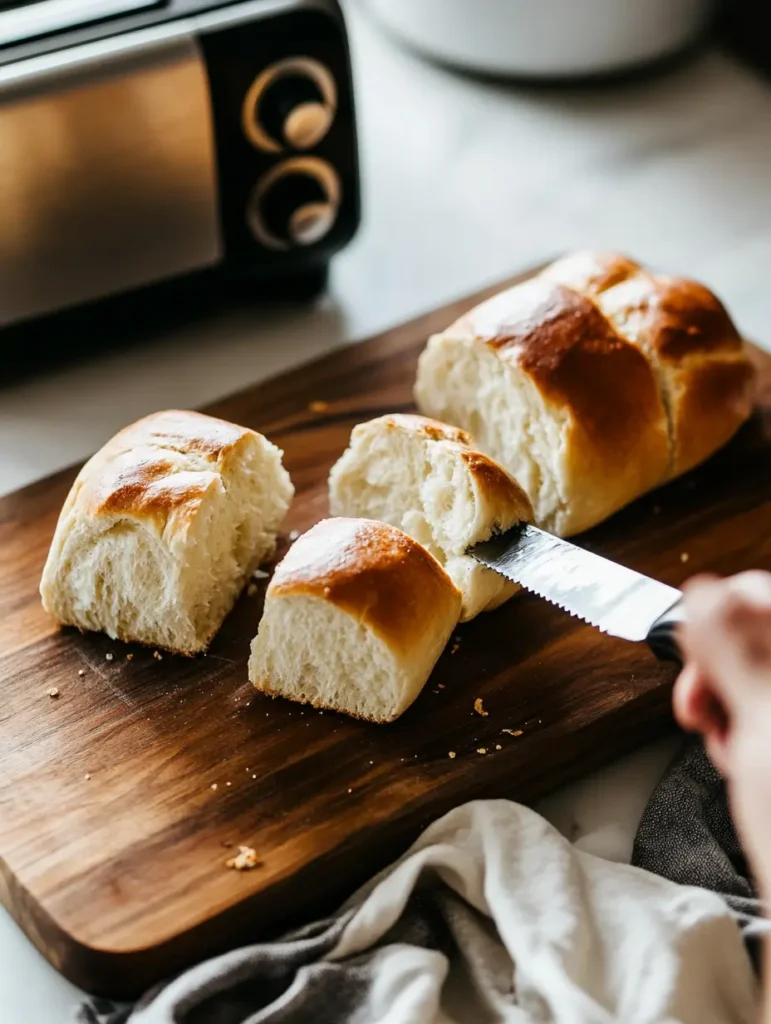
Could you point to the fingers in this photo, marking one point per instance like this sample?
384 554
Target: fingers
725 685
698 709
724 692
727 634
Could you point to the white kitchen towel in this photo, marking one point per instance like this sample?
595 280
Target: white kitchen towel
491 916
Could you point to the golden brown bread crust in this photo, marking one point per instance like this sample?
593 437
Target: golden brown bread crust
670 317
715 399
591 272
183 431
432 430
134 473
562 341
704 374
373 572
571 329
498 487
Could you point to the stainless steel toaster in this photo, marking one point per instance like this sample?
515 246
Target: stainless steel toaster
141 140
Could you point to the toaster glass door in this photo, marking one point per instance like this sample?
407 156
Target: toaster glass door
107 170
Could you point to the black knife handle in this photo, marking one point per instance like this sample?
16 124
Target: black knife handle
662 636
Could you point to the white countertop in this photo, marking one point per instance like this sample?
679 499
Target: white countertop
465 182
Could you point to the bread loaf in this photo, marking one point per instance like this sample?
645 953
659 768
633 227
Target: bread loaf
704 375
428 479
161 529
356 615
592 383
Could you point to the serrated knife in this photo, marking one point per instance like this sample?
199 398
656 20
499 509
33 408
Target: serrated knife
616 600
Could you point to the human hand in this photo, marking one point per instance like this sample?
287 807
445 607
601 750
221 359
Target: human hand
724 692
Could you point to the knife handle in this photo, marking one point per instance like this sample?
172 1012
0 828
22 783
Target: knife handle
662 636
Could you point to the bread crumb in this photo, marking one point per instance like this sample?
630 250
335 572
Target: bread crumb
129 656
479 708
251 590
214 785
350 791
53 691
513 732
440 685
245 859
227 783
481 750
318 406
157 655
254 776
454 647
498 746
293 534
260 574
684 556
81 671
87 776
108 656
451 753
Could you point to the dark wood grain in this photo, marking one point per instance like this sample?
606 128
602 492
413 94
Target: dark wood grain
112 837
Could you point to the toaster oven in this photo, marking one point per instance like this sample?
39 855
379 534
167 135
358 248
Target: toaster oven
142 140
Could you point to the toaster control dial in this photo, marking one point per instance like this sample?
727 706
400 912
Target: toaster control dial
295 203
291 104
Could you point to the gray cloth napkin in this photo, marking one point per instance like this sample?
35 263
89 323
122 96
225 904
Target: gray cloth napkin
492 917
686 834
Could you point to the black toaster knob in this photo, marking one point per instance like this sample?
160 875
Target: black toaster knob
295 203
291 104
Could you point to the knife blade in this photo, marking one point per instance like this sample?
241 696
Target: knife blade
614 599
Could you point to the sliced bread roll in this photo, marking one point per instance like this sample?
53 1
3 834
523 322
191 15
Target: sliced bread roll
700 361
356 616
592 383
428 479
161 529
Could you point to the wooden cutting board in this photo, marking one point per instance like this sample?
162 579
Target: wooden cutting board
121 799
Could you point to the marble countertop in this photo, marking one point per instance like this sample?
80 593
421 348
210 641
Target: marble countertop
465 182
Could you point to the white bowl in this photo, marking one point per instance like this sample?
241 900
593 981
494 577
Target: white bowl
545 38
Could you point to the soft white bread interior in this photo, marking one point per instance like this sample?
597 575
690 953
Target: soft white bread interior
356 616
428 479
161 529
592 383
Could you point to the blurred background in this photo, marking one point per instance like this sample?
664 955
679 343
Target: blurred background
464 180
492 135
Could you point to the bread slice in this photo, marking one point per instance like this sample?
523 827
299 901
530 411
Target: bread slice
356 616
592 383
428 479
161 529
